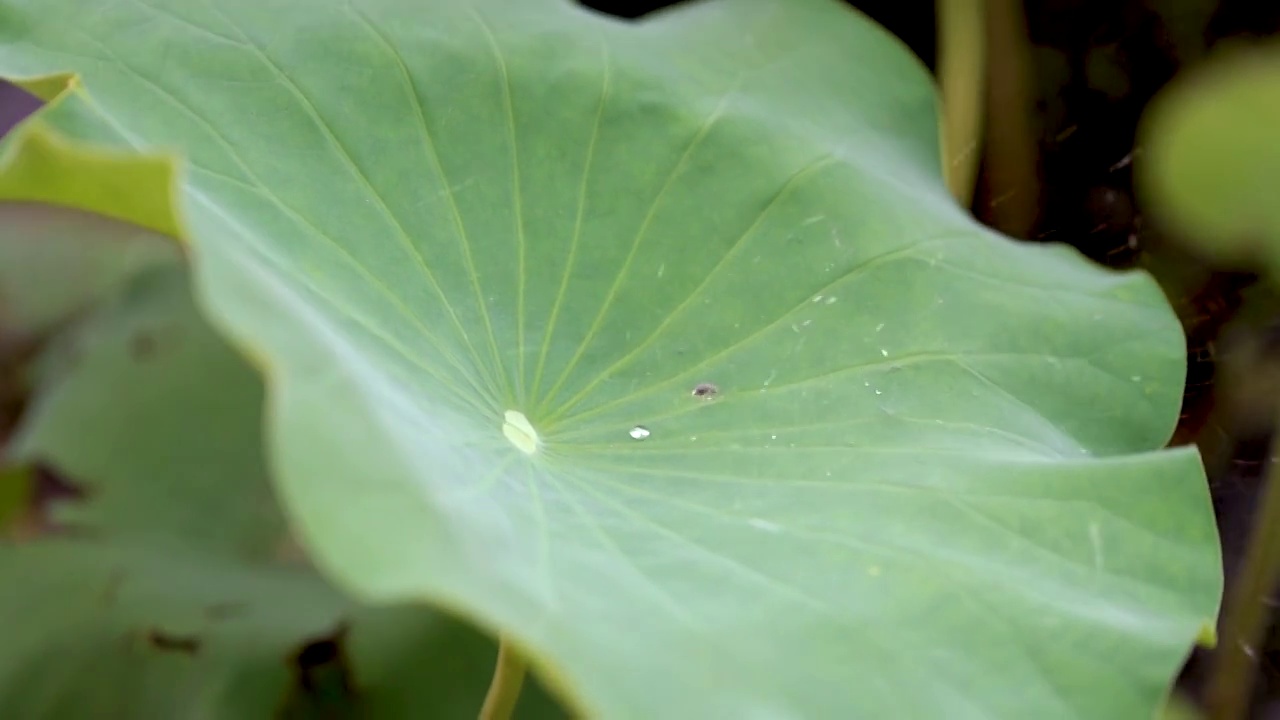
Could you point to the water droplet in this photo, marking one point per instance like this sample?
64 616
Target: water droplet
878 391
1136 378
805 323
639 432
879 327
830 300
817 298
706 391
884 353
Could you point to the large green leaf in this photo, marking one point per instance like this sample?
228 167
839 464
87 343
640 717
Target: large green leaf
886 463
175 589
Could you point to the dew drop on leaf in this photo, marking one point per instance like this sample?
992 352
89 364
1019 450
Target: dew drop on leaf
639 432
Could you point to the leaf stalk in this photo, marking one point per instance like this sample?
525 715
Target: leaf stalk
1246 616
508 679
962 75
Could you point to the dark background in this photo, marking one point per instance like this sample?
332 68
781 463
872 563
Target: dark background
1089 68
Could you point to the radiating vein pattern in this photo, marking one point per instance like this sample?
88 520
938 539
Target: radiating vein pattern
921 434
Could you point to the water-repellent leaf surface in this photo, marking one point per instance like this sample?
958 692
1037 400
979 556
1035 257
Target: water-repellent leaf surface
166 583
661 349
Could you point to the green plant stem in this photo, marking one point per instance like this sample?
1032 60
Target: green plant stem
504 689
961 73
1010 157
1247 613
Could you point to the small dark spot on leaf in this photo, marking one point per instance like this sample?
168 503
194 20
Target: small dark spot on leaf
166 642
323 681
705 391
146 343
316 654
53 486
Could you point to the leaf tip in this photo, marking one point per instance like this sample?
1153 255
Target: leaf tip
41 164
49 87
1207 636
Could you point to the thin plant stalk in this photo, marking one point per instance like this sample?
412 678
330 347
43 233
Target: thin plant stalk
1247 613
962 76
504 689
1010 158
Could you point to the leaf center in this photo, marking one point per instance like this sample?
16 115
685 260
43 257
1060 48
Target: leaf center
520 432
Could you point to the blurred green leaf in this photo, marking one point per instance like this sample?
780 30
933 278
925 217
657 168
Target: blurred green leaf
55 262
1211 158
175 590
